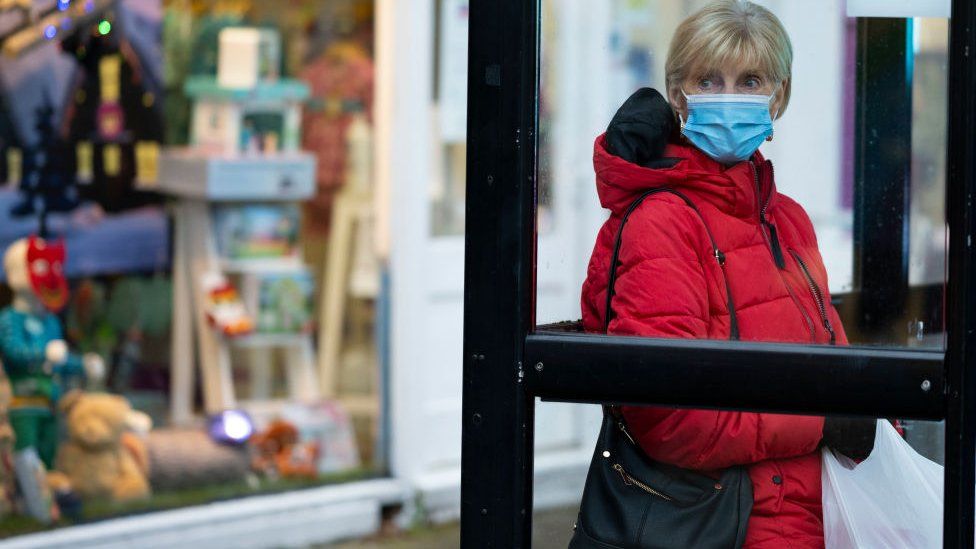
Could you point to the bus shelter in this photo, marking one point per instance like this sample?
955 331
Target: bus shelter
913 337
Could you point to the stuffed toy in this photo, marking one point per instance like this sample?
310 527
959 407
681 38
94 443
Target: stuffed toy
280 453
104 456
8 480
33 351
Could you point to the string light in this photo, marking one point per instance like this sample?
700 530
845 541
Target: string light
104 27
231 427
50 31
63 4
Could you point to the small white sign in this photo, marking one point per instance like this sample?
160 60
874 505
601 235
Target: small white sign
899 8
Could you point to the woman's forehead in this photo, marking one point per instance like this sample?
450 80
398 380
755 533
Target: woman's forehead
739 67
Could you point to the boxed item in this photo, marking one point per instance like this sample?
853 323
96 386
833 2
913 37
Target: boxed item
256 231
247 56
281 302
324 430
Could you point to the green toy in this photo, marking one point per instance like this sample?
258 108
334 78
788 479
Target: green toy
33 351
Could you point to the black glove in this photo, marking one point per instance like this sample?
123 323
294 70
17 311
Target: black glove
853 437
641 128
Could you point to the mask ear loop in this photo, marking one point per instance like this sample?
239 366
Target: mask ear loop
680 119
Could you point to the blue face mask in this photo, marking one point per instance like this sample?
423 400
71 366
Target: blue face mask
728 127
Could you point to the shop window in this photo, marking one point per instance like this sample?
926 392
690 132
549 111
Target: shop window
249 391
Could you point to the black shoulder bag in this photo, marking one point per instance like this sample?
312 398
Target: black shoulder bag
632 502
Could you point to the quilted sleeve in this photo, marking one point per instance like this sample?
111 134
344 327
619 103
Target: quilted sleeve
661 291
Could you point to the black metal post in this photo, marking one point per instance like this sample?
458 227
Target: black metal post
960 471
499 304
883 146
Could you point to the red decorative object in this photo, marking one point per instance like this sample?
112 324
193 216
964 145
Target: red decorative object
45 266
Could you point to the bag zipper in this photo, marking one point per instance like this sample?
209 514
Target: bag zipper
817 296
623 429
772 239
631 481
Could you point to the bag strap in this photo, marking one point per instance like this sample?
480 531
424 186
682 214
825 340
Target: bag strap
716 253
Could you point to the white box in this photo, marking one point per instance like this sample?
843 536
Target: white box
246 56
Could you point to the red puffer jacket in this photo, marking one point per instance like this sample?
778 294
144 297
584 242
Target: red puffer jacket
670 285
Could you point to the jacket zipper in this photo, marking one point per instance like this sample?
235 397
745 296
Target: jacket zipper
631 481
772 239
817 296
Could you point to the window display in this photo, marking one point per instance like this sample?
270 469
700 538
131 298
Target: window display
106 323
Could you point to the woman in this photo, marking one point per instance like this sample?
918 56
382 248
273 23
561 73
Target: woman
728 77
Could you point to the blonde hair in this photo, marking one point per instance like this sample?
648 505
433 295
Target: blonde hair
730 31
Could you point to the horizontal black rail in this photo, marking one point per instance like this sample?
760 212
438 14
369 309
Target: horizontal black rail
803 379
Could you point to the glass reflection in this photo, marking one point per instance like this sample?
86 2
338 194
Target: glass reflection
592 64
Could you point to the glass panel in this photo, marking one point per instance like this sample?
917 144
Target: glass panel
560 468
450 148
928 236
850 246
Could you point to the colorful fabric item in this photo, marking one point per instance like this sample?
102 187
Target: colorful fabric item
38 429
340 79
669 285
23 340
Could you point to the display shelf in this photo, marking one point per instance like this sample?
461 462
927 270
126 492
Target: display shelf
264 265
268 340
196 257
235 178
283 89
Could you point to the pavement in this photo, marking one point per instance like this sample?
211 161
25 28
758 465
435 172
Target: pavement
550 530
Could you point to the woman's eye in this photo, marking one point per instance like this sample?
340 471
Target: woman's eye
751 83
704 84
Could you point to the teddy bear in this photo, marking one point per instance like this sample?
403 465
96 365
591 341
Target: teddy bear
104 455
7 476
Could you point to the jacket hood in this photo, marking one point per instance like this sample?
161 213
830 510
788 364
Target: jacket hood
731 189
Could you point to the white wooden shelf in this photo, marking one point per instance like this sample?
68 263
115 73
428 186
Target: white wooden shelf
236 178
268 340
261 266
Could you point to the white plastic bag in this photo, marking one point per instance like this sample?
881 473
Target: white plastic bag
891 499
